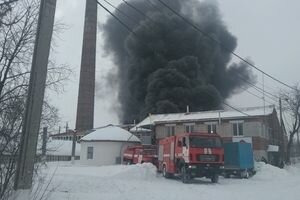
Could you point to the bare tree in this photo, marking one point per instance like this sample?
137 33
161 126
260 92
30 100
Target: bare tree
291 104
5 7
17 37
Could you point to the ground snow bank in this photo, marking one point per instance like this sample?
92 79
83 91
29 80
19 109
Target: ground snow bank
136 182
145 171
269 172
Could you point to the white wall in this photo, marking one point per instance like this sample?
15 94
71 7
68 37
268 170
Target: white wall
105 153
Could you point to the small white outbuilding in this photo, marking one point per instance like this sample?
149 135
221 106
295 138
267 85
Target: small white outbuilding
104 146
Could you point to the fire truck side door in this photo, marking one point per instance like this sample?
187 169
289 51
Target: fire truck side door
178 148
185 149
172 151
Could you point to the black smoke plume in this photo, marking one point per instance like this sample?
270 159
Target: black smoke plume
166 64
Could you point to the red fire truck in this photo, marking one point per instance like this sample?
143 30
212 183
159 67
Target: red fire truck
191 155
140 154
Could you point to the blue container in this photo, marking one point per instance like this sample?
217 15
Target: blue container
238 155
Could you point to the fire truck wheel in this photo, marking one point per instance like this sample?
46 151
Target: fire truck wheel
184 175
227 175
245 174
215 178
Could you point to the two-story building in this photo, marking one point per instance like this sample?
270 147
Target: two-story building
257 125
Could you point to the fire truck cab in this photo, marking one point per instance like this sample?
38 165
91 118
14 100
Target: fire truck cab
140 154
191 155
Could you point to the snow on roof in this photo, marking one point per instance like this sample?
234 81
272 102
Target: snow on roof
206 115
110 133
139 129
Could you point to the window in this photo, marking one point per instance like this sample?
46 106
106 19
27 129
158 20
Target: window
90 153
237 128
171 130
189 128
205 142
212 128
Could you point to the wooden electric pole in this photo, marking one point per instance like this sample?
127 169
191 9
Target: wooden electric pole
44 144
34 104
282 145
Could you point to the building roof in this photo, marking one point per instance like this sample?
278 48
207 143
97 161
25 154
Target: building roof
110 133
140 129
206 115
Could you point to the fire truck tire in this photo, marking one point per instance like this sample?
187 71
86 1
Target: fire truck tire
129 162
244 174
227 175
215 178
185 177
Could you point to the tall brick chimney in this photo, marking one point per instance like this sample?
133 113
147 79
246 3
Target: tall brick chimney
86 95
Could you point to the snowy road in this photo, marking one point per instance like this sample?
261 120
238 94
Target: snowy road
142 183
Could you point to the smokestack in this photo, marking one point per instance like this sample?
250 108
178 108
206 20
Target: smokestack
86 95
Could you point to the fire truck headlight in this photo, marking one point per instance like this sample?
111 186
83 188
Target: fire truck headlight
192 166
221 167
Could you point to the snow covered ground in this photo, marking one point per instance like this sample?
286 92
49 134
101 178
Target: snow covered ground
140 182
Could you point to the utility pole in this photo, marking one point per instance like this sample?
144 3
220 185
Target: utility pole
44 145
73 147
282 146
34 104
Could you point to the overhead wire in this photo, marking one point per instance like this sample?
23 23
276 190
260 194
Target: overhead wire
223 46
255 95
131 31
138 11
114 16
268 94
236 109
120 11
260 90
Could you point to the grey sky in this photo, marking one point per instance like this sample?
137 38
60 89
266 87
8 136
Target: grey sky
267 31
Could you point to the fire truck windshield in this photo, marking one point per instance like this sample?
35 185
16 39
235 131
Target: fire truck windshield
197 141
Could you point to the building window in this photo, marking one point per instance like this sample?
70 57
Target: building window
238 129
90 153
170 129
212 128
189 128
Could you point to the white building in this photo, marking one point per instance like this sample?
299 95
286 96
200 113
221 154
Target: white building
104 146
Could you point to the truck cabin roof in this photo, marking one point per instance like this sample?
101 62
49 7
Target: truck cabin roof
199 134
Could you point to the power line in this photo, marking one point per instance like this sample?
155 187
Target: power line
138 11
122 23
251 93
271 96
120 11
236 109
251 84
222 45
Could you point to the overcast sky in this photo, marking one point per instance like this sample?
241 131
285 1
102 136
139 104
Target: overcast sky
268 33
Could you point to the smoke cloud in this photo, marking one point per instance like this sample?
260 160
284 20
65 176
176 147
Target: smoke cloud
167 64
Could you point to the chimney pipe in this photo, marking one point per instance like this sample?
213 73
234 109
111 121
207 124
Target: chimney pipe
187 109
